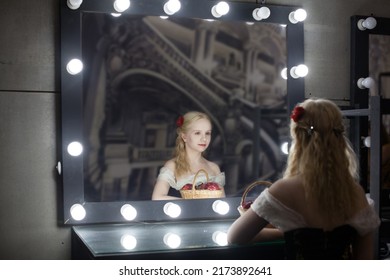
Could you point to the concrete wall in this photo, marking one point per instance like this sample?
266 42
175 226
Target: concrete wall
29 110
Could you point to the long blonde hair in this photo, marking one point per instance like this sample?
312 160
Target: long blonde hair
180 158
323 156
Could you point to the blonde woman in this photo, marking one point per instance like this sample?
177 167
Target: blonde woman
193 138
318 205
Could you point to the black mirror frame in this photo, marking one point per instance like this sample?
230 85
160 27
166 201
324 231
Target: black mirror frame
71 105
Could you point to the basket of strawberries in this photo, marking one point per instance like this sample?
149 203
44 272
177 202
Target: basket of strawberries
244 203
207 189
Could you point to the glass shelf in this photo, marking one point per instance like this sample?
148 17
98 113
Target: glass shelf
108 240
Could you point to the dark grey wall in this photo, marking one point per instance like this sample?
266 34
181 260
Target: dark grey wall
29 109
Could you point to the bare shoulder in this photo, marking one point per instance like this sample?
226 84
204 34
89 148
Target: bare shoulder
288 190
170 164
214 167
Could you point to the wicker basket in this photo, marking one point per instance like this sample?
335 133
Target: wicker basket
196 194
240 209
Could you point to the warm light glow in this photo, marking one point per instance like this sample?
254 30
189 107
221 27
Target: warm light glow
367 141
121 5
221 9
220 238
77 212
74 66
299 71
283 73
364 83
261 13
172 210
128 212
75 149
297 16
172 6
172 240
128 242
284 148
368 23
221 207
74 4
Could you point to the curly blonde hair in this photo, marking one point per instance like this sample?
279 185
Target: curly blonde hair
180 158
323 156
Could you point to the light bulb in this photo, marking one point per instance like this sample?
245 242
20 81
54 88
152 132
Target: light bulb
364 83
297 16
261 13
172 6
172 210
367 141
283 73
74 66
128 212
284 148
75 148
121 5
77 212
368 23
74 4
299 71
221 9
220 207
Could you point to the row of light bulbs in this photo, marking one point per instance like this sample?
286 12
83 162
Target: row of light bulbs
220 9
129 212
172 240
75 66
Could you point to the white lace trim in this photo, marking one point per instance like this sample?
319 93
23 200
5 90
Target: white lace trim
168 176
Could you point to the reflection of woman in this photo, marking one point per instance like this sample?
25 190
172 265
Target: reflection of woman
193 138
318 205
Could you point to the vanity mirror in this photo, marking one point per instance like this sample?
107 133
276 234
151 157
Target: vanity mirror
137 72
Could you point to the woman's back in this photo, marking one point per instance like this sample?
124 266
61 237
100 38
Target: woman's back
317 237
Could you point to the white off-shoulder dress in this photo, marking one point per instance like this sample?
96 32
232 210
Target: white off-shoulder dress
305 242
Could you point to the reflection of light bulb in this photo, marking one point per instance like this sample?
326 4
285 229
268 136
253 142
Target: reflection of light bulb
74 66
367 141
75 148
172 240
284 148
220 238
221 207
77 212
283 73
172 210
128 212
128 242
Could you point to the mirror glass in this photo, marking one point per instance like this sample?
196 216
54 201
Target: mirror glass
141 71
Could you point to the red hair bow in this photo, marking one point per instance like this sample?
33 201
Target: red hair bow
179 121
297 113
